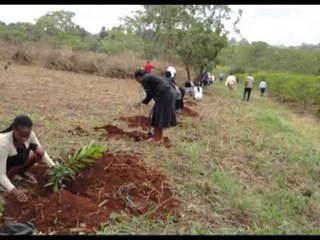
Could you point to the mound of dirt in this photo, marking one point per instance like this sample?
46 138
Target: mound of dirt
117 133
188 112
137 121
112 183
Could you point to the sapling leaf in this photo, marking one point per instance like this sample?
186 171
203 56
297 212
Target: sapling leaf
66 170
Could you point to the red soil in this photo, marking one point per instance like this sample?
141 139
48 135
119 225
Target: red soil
112 183
188 112
115 132
137 121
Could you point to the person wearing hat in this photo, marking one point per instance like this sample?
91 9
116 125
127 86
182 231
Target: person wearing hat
163 93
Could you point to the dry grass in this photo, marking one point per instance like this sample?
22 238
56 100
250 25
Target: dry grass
120 66
232 174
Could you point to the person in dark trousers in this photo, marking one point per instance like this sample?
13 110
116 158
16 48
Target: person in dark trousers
221 76
19 151
262 87
248 87
163 93
204 79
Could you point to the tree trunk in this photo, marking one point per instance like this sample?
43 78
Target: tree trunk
188 71
200 74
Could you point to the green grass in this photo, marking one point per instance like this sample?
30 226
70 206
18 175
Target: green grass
242 168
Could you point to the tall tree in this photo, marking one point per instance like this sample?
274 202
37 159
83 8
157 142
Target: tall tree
194 33
58 21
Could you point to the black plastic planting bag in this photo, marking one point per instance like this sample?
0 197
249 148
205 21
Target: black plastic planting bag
16 228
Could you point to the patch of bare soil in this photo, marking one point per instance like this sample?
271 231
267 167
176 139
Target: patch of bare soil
112 183
137 121
189 112
137 136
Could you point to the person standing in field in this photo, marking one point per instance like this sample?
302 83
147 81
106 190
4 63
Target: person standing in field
230 81
19 151
248 87
147 67
221 76
205 79
262 87
163 93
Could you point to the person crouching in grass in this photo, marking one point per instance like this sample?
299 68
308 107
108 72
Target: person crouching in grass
19 151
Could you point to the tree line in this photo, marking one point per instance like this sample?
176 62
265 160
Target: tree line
194 36
243 57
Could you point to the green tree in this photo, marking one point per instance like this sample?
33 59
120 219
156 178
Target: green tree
58 21
195 33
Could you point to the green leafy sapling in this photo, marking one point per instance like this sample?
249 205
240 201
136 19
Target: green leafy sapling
66 170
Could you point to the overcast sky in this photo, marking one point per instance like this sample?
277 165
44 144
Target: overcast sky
288 25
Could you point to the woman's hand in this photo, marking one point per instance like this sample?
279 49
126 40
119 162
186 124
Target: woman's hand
20 195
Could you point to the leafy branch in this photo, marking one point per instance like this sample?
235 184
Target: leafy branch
66 171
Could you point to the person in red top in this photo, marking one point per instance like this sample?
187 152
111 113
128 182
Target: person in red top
148 67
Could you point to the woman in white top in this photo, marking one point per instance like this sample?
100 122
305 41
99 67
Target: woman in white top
197 92
19 150
262 87
173 72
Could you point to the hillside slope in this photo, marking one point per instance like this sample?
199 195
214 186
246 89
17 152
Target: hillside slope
238 167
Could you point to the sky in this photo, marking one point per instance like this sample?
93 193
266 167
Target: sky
287 25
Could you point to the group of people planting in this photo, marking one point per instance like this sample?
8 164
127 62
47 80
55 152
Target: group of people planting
20 148
168 96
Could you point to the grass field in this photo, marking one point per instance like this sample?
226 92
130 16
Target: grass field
240 168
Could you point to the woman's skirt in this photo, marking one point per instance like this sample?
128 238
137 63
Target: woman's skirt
164 110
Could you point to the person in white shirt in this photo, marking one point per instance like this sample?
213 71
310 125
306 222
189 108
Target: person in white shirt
189 87
230 81
173 72
211 78
262 87
19 150
197 92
